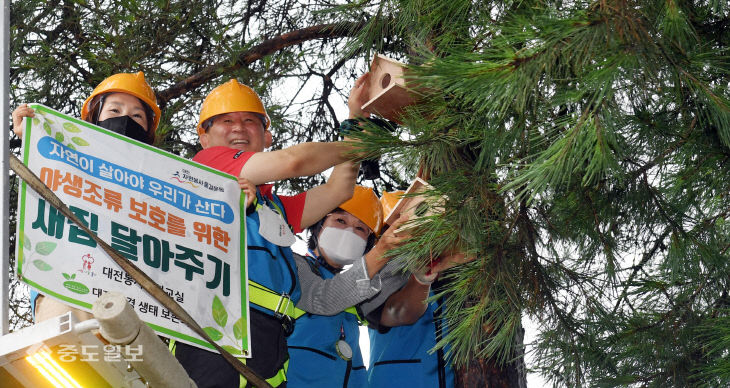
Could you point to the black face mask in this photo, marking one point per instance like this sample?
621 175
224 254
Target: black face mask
125 125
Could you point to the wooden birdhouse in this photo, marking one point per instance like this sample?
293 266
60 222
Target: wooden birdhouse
388 92
415 205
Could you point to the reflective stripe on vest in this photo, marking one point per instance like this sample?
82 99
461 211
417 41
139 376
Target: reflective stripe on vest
352 310
275 380
278 303
271 300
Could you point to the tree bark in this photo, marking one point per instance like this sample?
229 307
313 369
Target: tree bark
486 373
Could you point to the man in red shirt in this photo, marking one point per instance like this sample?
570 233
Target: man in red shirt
234 131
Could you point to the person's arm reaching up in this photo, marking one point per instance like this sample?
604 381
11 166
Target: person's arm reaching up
324 198
375 259
299 160
405 306
307 158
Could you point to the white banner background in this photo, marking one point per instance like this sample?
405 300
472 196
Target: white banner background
178 221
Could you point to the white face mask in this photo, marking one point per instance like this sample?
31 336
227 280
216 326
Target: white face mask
342 246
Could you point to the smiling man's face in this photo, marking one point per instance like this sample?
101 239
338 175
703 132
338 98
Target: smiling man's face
240 130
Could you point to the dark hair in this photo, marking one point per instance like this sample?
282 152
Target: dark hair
95 111
316 228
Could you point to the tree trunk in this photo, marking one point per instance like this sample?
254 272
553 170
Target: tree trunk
487 373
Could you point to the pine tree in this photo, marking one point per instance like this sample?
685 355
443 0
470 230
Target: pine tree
584 148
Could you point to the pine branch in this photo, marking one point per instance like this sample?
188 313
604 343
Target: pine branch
658 243
267 47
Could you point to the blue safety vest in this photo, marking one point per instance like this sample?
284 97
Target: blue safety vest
400 357
273 290
271 268
313 358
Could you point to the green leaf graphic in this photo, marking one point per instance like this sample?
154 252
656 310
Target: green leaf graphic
47 119
26 243
47 128
76 287
35 121
73 276
66 276
71 146
59 137
45 247
238 329
220 315
213 333
71 128
42 265
79 141
232 350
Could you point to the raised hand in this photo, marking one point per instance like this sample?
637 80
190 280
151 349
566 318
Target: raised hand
358 96
21 111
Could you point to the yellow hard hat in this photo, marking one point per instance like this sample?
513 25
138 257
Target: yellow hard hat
232 96
389 200
129 83
365 205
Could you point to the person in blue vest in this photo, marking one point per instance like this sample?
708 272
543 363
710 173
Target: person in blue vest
400 351
405 328
234 131
324 349
123 103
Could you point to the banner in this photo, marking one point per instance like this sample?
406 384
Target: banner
178 221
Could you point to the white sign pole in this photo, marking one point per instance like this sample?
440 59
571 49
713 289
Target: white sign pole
5 189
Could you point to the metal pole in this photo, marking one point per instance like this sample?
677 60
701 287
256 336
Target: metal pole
5 175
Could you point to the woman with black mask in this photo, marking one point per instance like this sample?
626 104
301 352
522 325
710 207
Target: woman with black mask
123 103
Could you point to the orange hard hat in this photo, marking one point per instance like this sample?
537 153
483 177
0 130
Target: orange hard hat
232 96
389 200
129 83
365 205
